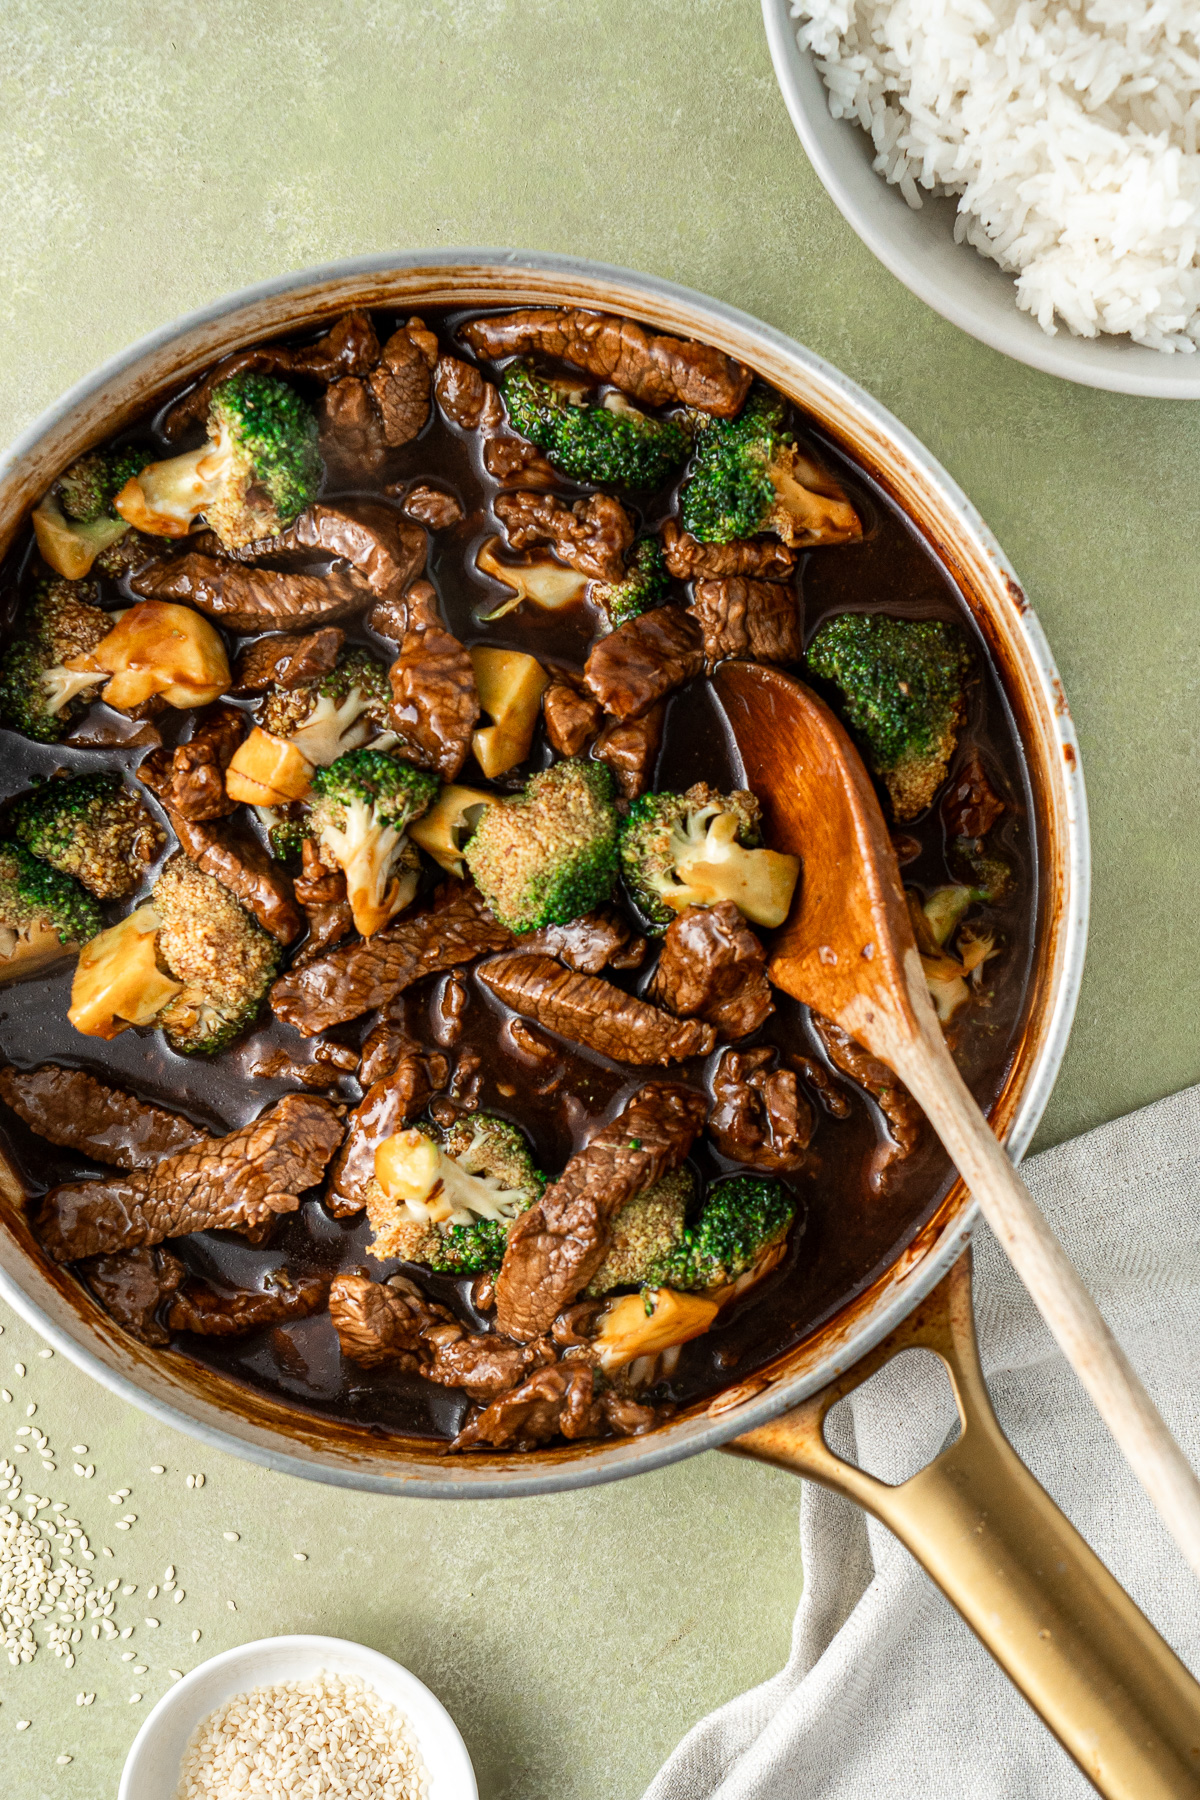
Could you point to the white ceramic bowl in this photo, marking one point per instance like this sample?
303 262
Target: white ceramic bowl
919 247
152 1767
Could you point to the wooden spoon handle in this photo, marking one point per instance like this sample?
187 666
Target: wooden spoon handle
926 1067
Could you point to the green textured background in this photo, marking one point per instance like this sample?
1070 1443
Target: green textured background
153 159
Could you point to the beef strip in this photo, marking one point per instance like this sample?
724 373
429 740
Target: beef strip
239 862
435 703
594 941
572 718
970 806
400 385
432 507
461 391
516 463
558 1401
350 348
385 550
687 559
260 1169
659 371
286 662
190 779
555 1248
322 893
592 536
279 1066
80 1112
713 967
358 977
351 431
630 748
386 1107
760 1118
640 662
244 598
209 1312
903 1116
379 1324
131 1286
741 617
483 1365
593 1013
389 618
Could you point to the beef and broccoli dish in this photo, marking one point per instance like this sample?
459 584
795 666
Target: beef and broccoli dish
384 913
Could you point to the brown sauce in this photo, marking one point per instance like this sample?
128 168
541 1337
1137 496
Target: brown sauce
847 1232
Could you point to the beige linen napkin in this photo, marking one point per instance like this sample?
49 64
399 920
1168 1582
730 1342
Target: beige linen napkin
886 1694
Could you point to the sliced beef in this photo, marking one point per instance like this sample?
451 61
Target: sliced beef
190 779
516 463
595 941
713 967
659 371
630 748
432 507
461 391
572 717
556 1402
761 1118
640 662
212 1312
592 536
435 703
555 1248
244 598
903 1116
386 1107
358 977
75 1109
279 1066
741 617
970 805
379 1324
687 559
387 1041
593 1013
381 547
131 1286
239 862
483 1365
400 384
350 348
286 662
389 618
322 893
228 1182
351 431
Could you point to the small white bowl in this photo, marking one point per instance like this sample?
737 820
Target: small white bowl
152 1766
919 247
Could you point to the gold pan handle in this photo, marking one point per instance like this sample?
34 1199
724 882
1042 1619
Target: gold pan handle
1088 1661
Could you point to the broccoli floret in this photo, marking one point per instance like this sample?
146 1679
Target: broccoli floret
644 584
39 695
550 854
223 957
742 1219
91 827
335 714
87 491
698 848
903 689
749 476
989 877
362 804
76 523
448 1203
648 1229
614 443
37 901
258 470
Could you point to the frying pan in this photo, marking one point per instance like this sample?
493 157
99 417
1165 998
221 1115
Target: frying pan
1054 1618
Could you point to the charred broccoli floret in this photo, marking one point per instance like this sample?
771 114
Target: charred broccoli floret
749 476
448 1202
39 694
742 1219
614 443
257 471
335 714
549 854
43 913
699 848
362 804
647 1230
903 689
644 584
223 957
91 827
76 522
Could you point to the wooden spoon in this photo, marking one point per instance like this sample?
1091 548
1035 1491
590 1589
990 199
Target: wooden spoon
847 951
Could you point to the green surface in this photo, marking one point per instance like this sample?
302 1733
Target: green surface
156 157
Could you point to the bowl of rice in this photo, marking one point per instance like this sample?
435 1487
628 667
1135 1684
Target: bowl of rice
294 1718
1030 169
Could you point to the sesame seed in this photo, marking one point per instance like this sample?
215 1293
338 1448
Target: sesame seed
191 1481
199 1481
127 1655
139 1668
130 1587
152 1623
134 1698
195 1637
129 1518
169 1572
232 1605
62 1760
157 1469
44 1354
178 1596
18 1368
121 1525
175 1674
24 1724
299 1556
152 1592
231 1537
127 1631
79 1449
31 1409
79 1468
5 1395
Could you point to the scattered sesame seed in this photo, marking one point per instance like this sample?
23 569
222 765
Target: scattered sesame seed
62 1760
24 1724
231 1537
95 1631
169 1572
88 1698
152 1592
18 1368
104 1549
134 1698
45 1354
130 1587
232 1605
129 1518
5 1395
127 1655
199 1481
299 1556
195 1637
79 1469
127 1631
121 1525
191 1481
152 1623
175 1674
157 1469
79 1449
20 1449
178 1596
31 1409
139 1668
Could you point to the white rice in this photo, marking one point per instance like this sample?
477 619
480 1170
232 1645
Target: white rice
302 1740
1068 129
